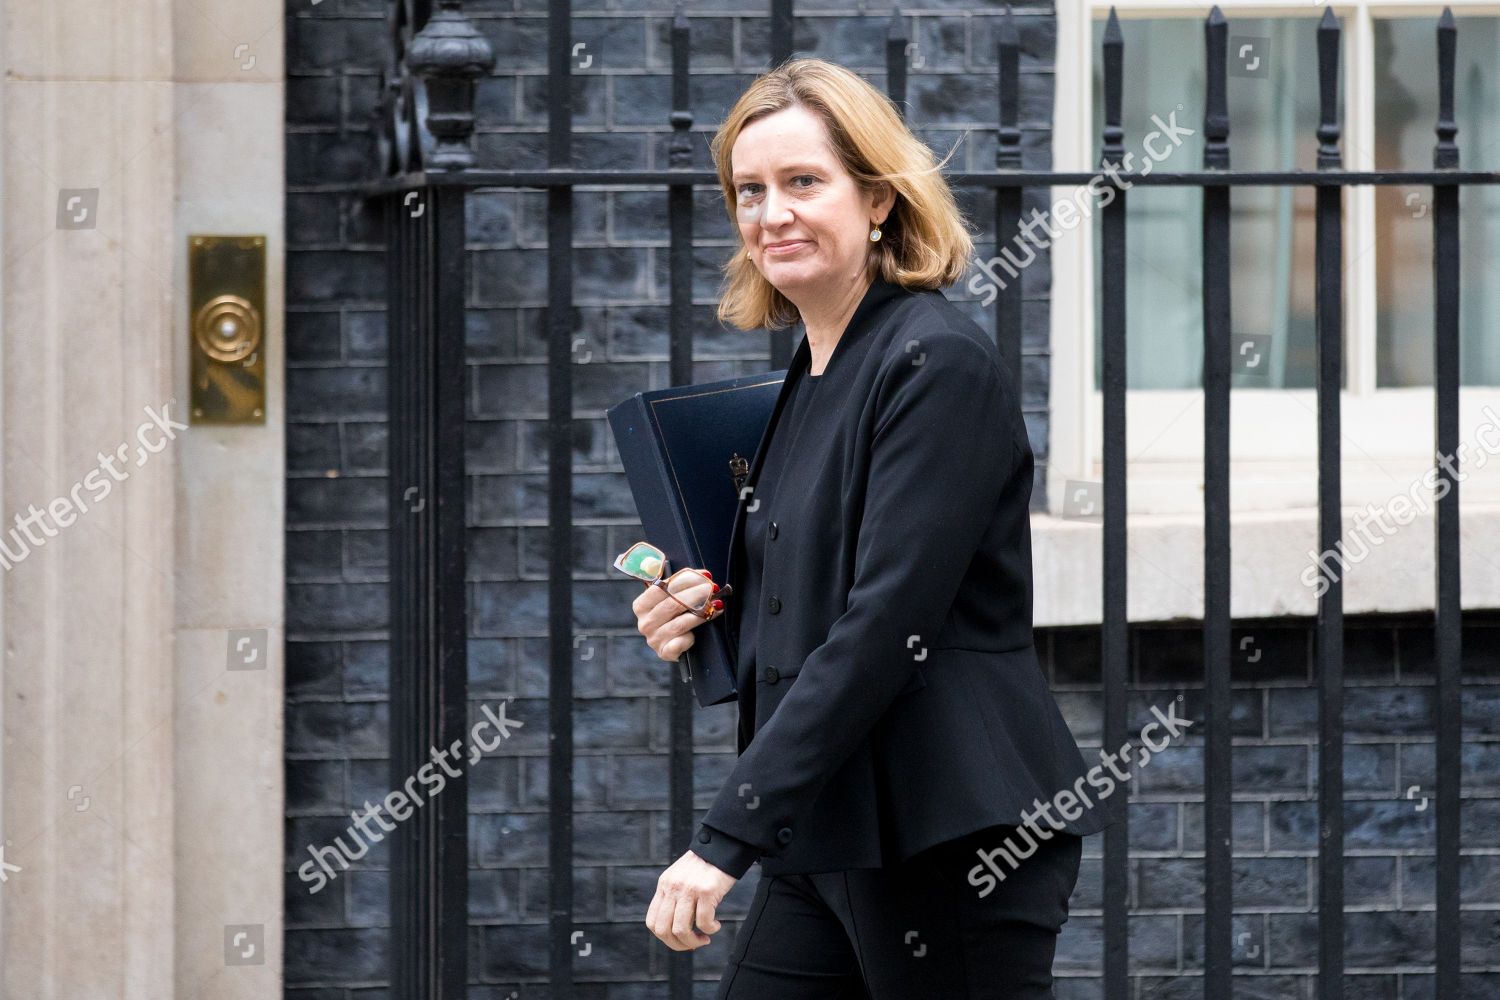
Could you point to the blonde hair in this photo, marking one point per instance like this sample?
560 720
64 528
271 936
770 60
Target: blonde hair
925 242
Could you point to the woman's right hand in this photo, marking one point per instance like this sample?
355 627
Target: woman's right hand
667 627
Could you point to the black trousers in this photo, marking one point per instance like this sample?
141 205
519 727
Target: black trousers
915 931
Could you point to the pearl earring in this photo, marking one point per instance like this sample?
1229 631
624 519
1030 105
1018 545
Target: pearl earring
875 233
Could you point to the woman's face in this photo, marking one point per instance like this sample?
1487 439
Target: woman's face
804 221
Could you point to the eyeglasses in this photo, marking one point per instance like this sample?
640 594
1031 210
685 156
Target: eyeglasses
688 587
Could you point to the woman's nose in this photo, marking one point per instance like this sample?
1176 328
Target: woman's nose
773 212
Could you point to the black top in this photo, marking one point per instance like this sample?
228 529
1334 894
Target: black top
720 849
757 523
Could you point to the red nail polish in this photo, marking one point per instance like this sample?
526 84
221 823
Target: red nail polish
718 605
706 573
716 588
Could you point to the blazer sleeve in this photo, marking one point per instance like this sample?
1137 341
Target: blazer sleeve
943 445
728 854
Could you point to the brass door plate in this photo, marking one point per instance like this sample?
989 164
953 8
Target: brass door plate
227 329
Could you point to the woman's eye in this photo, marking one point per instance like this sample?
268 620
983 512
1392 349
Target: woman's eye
753 190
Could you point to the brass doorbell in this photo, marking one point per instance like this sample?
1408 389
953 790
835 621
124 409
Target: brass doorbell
227 308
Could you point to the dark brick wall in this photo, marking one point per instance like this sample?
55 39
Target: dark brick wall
336 721
1390 831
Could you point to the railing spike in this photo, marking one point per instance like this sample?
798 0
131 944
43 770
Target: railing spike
1216 99
896 39
1112 148
680 150
1329 31
1008 71
1445 156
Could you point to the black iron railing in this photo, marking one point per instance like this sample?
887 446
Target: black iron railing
426 123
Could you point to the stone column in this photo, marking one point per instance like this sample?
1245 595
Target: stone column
140 772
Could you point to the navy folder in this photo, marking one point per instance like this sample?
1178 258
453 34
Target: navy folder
686 450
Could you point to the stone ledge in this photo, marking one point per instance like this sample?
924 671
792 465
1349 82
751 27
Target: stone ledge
1269 554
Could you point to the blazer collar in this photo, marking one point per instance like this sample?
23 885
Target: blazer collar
879 293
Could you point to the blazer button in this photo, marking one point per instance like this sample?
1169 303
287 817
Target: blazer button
772 529
770 675
702 836
775 604
784 835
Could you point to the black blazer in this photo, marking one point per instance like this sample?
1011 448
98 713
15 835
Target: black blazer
896 697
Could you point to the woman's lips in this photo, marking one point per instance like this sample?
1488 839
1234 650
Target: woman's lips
786 248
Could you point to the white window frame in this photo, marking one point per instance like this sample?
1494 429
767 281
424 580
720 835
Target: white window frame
1387 432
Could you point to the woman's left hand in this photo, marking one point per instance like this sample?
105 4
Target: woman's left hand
688 892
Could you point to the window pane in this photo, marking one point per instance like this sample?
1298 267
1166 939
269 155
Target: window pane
1273 113
1406 101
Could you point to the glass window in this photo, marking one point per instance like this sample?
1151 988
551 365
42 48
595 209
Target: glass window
1273 108
1406 107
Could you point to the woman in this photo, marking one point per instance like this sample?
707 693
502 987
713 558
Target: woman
904 741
